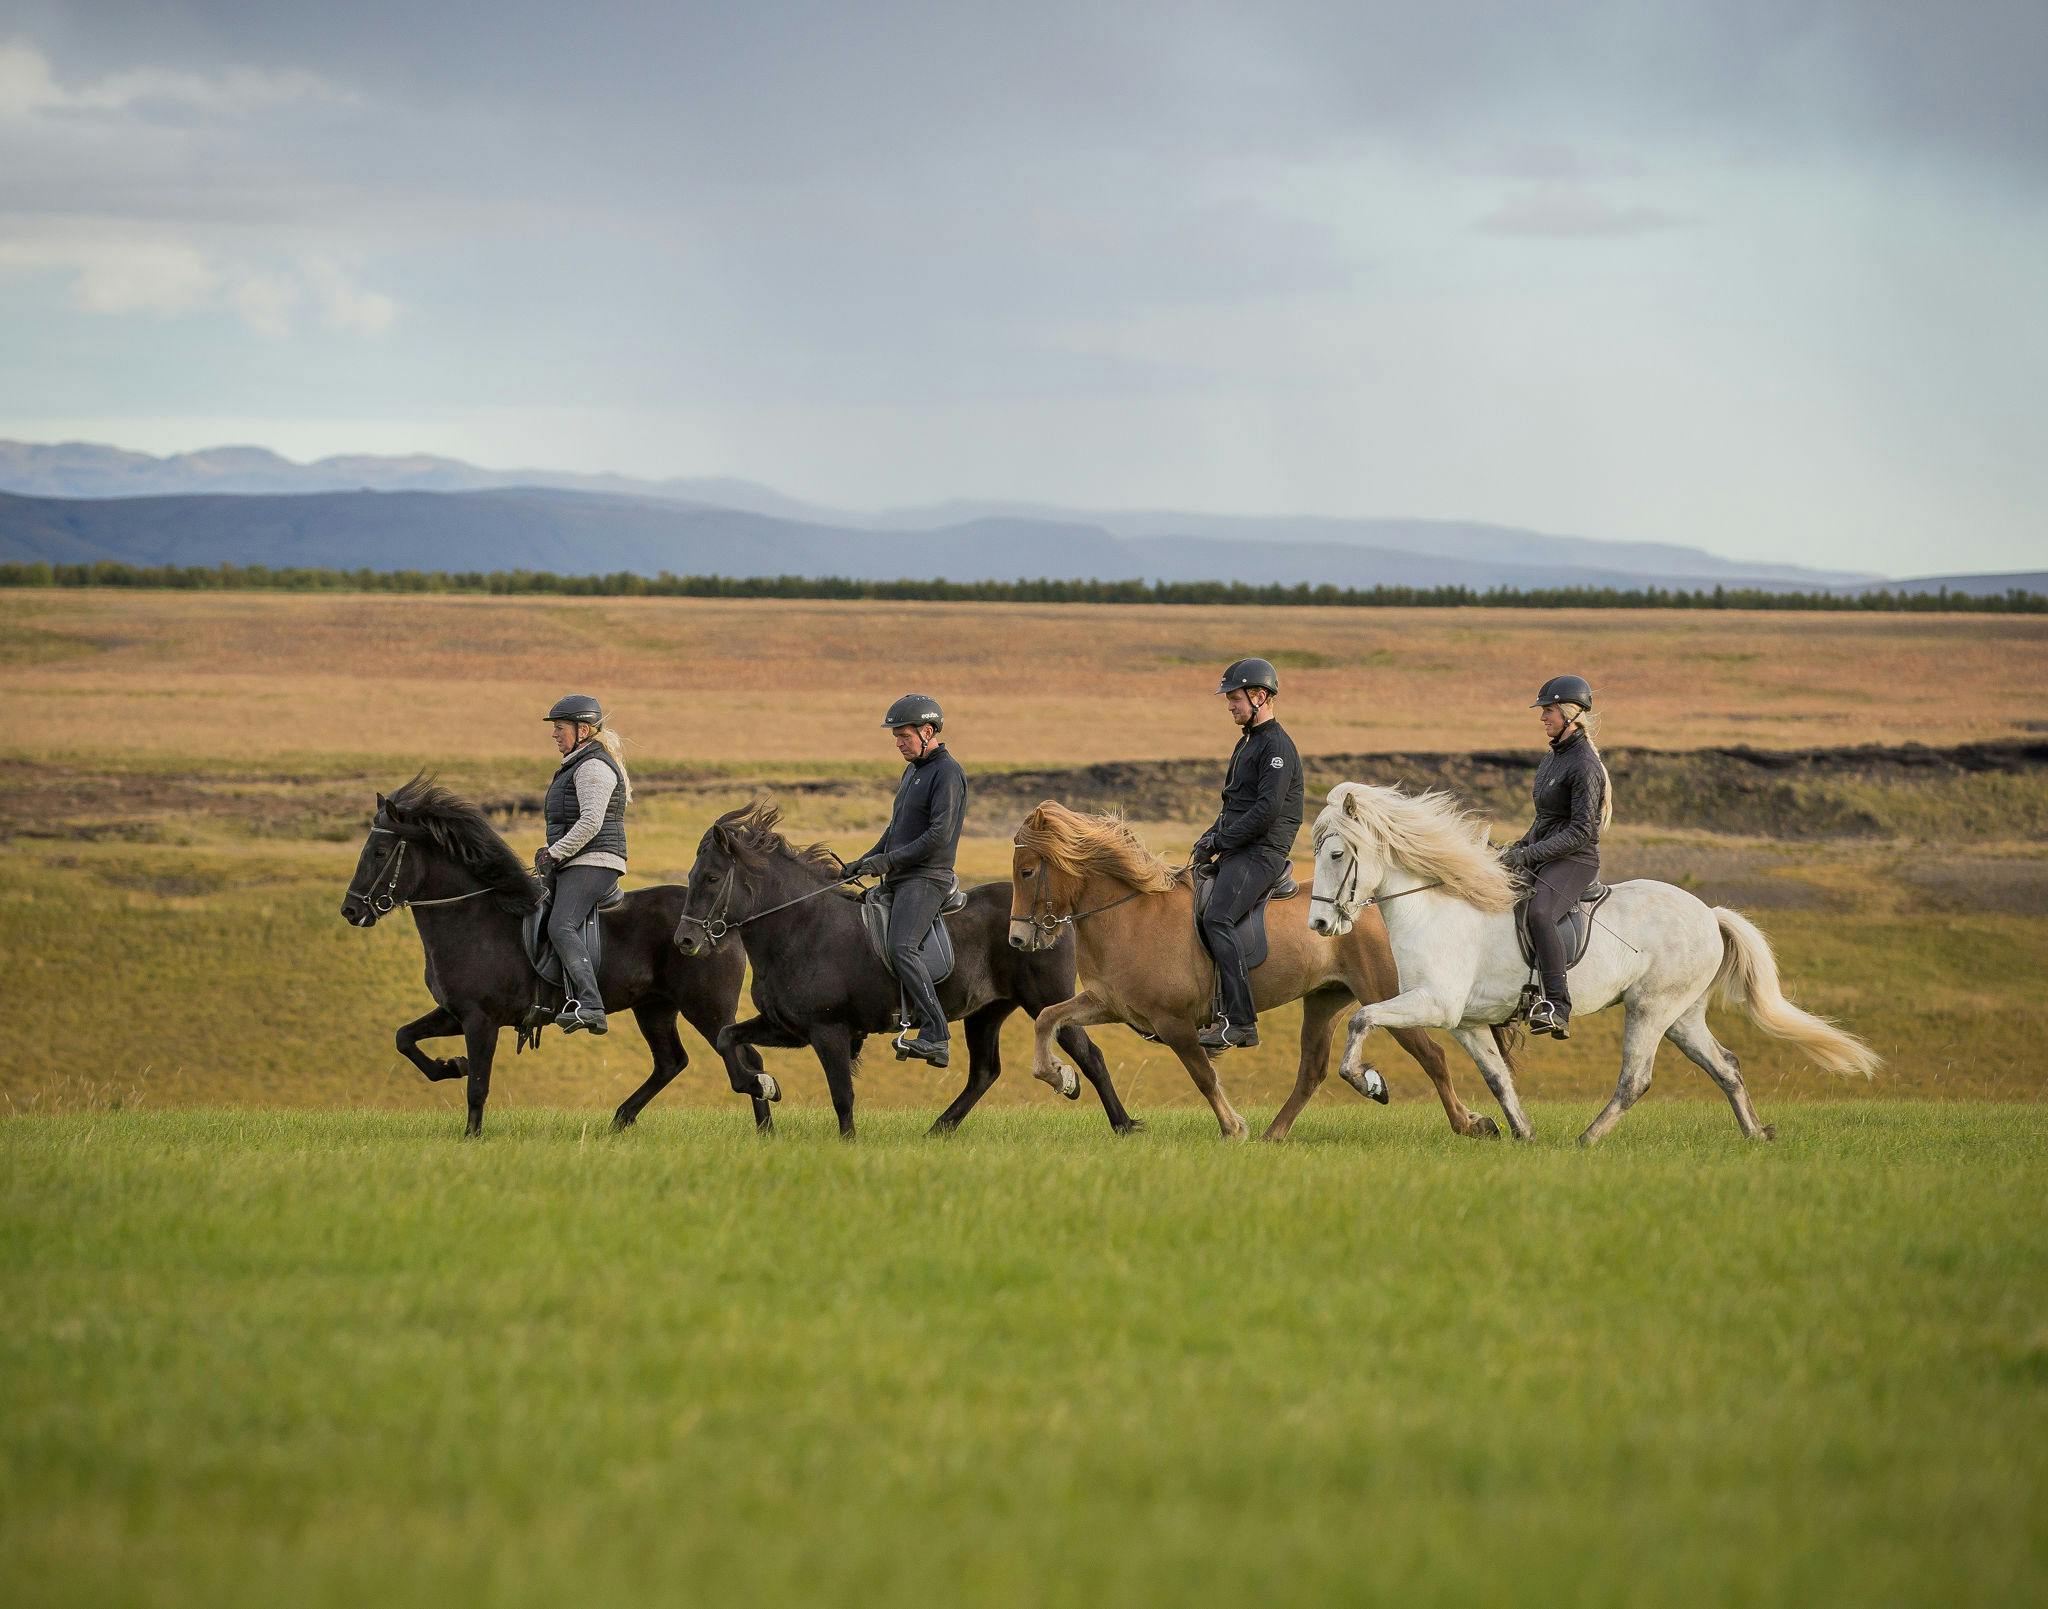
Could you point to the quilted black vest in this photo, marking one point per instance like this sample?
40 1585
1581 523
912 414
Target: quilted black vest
561 809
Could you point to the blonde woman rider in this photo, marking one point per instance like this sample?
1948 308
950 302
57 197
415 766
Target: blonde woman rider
1559 856
585 811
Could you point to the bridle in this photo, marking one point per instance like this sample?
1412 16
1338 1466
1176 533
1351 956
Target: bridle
1042 916
383 904
1347 903
715 925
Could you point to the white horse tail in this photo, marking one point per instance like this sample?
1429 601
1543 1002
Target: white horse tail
1749 978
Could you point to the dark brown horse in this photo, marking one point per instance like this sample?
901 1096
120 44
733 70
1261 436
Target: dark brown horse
436 853
817 983
1143 965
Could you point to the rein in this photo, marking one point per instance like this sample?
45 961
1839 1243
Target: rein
1042 916
715 925
1345 903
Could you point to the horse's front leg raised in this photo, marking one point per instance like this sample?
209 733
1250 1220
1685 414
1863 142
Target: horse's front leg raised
1085 1010
439 1023
1413 1008
736 1044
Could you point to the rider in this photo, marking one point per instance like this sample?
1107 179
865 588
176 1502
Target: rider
914 856
1559 856
585 811
1250 840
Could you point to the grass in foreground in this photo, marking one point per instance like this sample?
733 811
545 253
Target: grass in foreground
342 1358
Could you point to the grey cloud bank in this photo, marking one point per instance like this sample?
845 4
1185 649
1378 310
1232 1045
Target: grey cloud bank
1756 278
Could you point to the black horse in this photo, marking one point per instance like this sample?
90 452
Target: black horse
469 891
817 983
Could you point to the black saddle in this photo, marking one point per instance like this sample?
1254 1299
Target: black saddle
533 933
1575 927
1251 931
937 948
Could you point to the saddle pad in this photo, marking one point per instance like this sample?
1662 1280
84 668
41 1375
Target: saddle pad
540 953
1575 926
937 948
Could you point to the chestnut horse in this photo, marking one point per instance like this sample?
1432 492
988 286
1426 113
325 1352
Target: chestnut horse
1141 963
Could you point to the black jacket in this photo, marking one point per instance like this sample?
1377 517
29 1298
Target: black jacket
1261 796
923 834
1570 789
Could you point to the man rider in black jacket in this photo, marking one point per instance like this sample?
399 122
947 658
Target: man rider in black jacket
1250 840
914 856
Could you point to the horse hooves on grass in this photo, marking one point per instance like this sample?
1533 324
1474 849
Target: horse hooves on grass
1486 1129
1770 1132
1135 1126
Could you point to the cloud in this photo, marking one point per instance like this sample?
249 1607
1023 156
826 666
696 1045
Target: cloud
29 88
345 305
1573 214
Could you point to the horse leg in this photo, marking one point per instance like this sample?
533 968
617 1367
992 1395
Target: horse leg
1429 1055
1084 1009
1076 1043
1500 1078
1640 1036
1181 1041
480 1038
735 1044
984 1030
834 1047
705 1016
1691 1035
1318 1010
657 1019
439 1023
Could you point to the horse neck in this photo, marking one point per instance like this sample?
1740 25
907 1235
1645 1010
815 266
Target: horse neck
1118 908
782 877
444 878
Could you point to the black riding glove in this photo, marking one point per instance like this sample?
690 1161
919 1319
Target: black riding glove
1515 858
866 866
543 862
1205 849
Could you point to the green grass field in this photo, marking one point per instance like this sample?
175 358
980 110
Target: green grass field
344 1358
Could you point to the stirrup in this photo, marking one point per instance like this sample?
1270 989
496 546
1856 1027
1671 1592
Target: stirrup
1220 1035
1546 1018
574 1015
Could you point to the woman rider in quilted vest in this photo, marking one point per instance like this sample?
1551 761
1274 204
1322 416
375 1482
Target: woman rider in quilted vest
585 812
1559 856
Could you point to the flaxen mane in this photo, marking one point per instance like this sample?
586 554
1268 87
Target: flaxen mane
1429 834
752 834
465 835
1080 845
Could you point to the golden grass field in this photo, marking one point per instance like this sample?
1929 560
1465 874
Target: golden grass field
188 789
268 677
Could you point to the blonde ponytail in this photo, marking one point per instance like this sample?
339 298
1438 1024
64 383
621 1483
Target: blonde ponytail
617 750
1589 723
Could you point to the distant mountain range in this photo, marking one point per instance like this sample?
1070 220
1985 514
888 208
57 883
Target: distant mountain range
245 505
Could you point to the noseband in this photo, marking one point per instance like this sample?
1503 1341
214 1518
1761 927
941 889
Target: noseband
1346 902
388 901
1042 917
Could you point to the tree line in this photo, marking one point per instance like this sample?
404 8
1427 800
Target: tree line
624 584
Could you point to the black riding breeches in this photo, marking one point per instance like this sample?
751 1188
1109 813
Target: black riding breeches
577 892
1553 890
913 906
1242 880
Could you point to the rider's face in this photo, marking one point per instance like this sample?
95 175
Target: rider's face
1553 719
911 741
1239 702
565 736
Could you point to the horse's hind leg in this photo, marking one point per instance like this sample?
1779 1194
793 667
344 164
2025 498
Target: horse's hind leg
984 1029
439 1023
657 1019
1318 1011
1196 1060
1691 1035
1640 1037
1429 1056
1500 1078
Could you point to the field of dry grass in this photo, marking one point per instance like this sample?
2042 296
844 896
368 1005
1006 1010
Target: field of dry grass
255 676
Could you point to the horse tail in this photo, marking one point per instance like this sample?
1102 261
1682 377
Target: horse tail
1749 978
1507 1039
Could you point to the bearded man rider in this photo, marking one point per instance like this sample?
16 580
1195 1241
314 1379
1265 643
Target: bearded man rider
1249 844
914 856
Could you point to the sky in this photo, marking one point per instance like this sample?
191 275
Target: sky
1761 276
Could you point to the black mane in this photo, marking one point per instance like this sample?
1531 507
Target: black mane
465 835
750 833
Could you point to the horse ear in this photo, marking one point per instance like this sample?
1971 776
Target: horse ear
1351 805
380 801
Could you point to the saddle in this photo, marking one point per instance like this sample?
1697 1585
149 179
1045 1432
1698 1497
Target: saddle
1575 927
937 949
548 989
1251 931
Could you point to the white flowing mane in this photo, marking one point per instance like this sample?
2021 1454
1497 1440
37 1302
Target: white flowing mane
1430 835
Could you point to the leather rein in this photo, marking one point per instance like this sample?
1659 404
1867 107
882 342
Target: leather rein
388 901
1347 903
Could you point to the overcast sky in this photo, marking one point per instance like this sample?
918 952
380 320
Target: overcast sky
1765 276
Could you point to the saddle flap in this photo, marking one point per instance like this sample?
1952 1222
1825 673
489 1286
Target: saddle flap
540 949
937 948
1575 926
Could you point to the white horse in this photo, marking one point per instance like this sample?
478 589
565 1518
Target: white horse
1449 906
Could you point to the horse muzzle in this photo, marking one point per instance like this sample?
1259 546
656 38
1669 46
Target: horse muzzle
1025 934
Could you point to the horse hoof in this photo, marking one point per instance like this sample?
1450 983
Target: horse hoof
1062 1078
770 1090
1770 1132
1135 1126
622 1121
1367 1081
1486 1129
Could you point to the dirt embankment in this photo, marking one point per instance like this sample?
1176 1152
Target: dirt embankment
1969 793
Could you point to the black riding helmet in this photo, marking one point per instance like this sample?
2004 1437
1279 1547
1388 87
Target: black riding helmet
915 709
579 707
1250 673
1564 690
